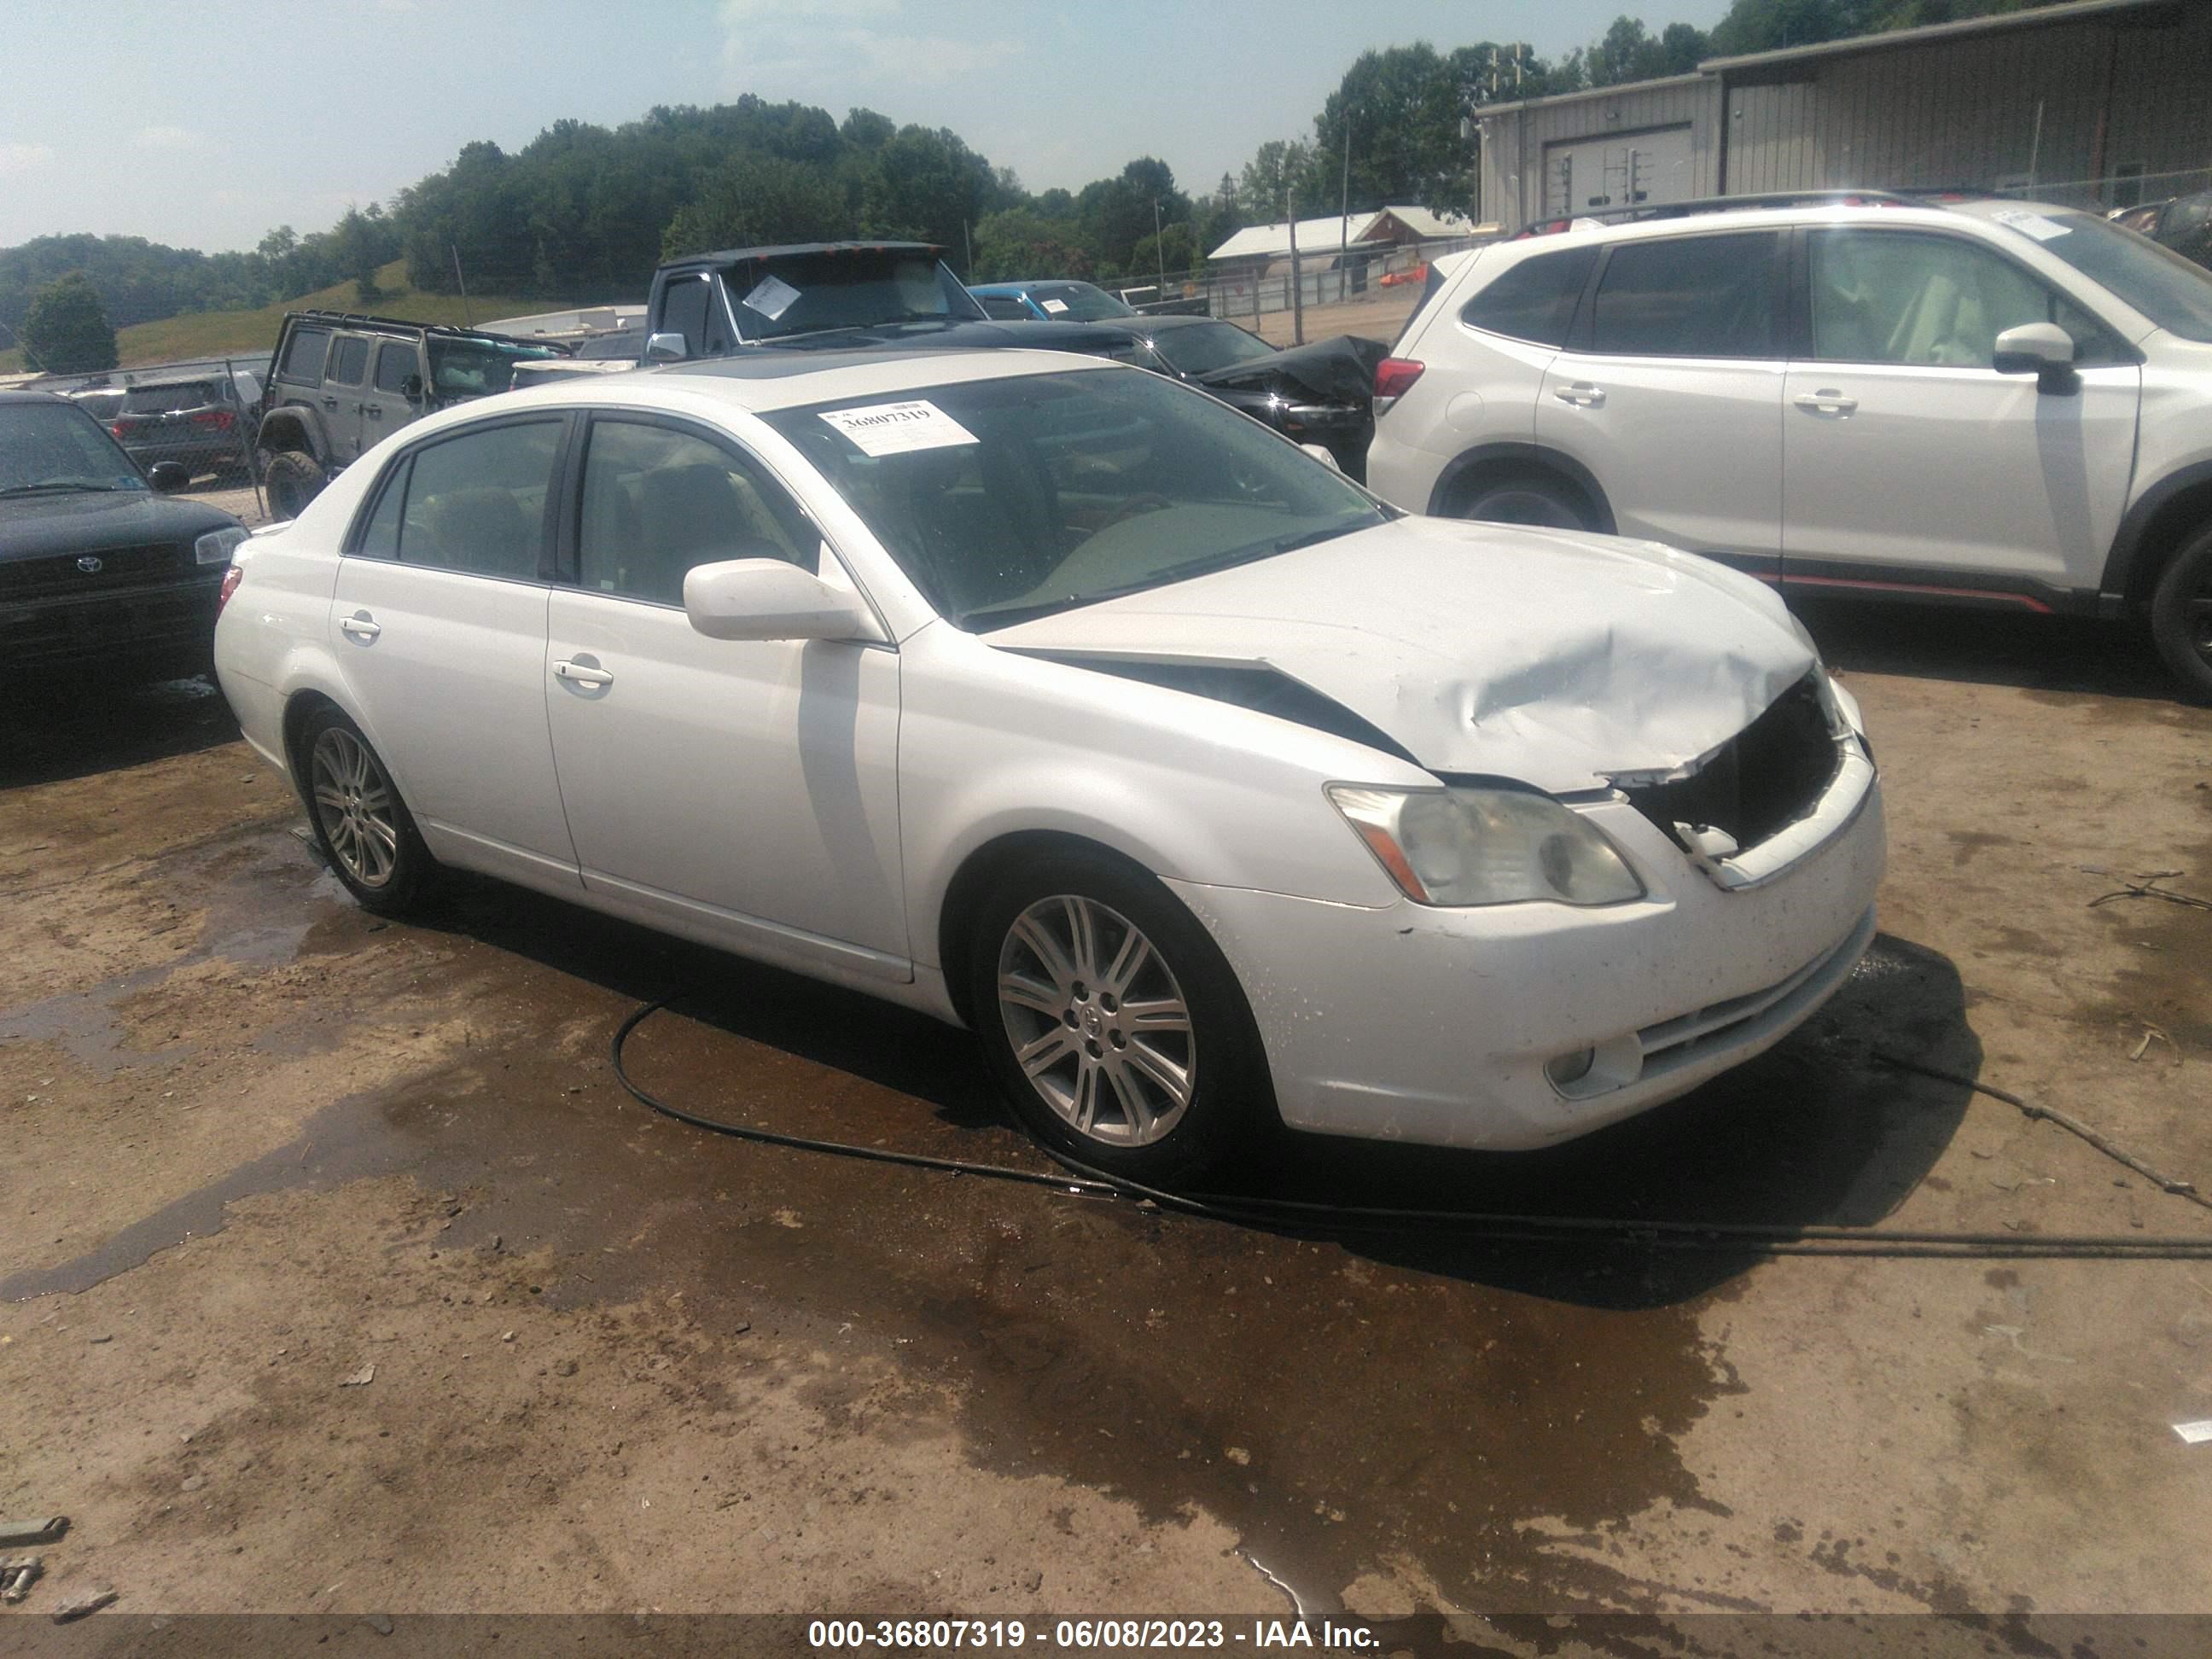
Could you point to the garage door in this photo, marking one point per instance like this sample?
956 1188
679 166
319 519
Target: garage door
1613 171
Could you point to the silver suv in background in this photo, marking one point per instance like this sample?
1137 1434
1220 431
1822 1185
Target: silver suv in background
1963 400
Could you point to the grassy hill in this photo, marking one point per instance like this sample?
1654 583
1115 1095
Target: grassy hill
211 333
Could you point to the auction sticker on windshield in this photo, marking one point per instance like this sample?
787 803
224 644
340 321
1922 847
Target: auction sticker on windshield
895 429
772 298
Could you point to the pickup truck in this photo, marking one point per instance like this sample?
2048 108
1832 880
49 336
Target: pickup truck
835 296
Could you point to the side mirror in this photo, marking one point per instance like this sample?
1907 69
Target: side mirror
167 477
412 388
772 598
666 349
2043 349
1322 454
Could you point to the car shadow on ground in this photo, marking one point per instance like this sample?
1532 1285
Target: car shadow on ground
2070 654
1816 1131
75 728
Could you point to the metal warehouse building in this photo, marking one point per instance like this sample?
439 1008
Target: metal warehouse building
2100 102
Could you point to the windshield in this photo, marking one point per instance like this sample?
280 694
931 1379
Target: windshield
2159 283
1008 499
159 399
56 446
1201 347
807 293
627 343
477 368
1077 302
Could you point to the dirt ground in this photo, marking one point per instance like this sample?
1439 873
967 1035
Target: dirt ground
341 1275
1381 315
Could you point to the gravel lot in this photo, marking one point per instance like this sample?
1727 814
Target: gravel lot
342 1275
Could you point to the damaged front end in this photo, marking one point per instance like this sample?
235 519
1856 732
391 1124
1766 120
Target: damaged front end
1322 393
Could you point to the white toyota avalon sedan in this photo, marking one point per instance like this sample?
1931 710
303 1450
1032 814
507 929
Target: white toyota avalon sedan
1060 701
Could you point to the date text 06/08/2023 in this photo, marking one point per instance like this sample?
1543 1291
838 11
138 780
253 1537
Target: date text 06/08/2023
828 1635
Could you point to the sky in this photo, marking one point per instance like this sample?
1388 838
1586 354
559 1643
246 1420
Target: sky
206 123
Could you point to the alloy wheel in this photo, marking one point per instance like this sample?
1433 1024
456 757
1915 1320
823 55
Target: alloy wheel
1097 1022
353 805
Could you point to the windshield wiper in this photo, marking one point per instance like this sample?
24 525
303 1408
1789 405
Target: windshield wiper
62 487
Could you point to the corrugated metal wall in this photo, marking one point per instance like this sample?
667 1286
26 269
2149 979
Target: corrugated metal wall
1962 112
1514 143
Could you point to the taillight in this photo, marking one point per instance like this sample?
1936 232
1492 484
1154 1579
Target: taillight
231 578
213 420
1394 379
119 428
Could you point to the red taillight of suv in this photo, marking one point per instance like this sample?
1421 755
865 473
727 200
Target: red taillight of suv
213 420
1394 379
231 578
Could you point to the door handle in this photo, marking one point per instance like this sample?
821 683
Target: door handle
360 625
1582 394
1826 402
330 403
582 675
374 411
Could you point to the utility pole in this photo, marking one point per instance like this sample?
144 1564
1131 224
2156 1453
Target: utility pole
968 241
1159 251
454 249
1344 209
1297 287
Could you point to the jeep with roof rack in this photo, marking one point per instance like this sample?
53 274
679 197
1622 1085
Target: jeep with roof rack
339 382
1942 396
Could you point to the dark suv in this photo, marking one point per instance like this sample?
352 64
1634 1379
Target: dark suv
200 421
839 296
339 383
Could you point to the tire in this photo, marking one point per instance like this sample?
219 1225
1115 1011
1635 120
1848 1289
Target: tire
1050 957
292 480
2181 614
1528 498
362 824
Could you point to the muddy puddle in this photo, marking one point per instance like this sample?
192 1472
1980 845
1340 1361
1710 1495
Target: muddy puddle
1346 1403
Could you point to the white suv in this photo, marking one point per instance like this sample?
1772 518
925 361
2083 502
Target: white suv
1976 401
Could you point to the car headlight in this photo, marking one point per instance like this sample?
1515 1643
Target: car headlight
217 545
1467 847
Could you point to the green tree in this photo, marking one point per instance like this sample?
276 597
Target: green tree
758 201
1278 167
1401 111
66 329
1021 242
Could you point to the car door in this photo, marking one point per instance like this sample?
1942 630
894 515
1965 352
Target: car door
742 790
438 624
1669 391
1909 458
385 404
340 400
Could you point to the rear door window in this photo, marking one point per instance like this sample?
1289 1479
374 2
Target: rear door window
303 357
476 502
1690 296
1535 300
349 362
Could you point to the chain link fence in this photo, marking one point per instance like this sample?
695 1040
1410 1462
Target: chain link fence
195 419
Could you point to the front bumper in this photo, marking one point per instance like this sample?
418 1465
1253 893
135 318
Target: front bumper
1434 1026
170 624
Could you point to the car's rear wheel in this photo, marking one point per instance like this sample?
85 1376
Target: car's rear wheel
1526 498
360 823
2181 614
292 480
1113 1022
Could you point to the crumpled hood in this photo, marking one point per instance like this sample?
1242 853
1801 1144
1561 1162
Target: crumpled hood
1554 658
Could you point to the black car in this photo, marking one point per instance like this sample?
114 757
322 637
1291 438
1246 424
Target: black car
98 569
2183 223
834 296
1322 393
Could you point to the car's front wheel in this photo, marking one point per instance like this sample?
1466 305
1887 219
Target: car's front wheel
292 479
1114 1023
360 823
2181 614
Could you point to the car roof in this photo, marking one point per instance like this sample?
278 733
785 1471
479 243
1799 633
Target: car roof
1933 209
1154 325
765 380
33 397
730 255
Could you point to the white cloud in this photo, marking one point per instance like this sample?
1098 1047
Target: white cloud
837 40
170 139
25 158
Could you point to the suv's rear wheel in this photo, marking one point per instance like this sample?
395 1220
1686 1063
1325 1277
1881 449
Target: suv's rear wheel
1526 498
292 479
2181 614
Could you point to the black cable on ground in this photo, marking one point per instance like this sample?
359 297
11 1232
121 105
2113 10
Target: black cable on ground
1502 1227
